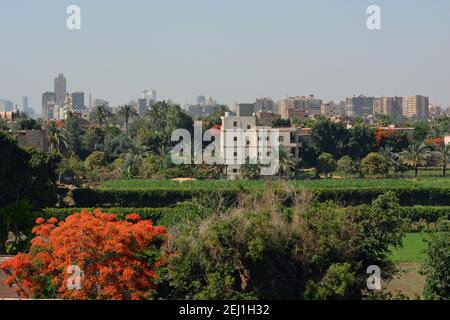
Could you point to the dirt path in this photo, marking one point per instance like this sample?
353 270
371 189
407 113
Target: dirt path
409 282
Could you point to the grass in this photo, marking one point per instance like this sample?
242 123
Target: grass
413 250
439 182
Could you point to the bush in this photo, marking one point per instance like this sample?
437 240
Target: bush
89 198
117 259
347 166
374 164
257 252
326 164
437 268
96 161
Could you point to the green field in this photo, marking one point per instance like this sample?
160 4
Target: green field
413 250
322 183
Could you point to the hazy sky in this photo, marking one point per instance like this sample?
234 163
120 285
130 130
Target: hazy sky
232 50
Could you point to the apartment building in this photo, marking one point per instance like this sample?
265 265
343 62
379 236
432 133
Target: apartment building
242 141
389 106
299 107
416 107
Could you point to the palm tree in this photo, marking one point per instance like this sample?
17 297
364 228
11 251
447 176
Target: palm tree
287 162
417 155
127 111
250 171
101 113
57 138
392 158
134 157
217 170
443 152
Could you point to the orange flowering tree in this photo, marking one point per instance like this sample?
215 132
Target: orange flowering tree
390 137
116 259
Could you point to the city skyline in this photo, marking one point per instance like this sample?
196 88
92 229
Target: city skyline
184 50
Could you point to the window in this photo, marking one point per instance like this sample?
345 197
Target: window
281 138
267 138
235 170
248 142
235 154
249 127
235 124
235 138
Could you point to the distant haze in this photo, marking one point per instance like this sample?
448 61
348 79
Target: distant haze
232 50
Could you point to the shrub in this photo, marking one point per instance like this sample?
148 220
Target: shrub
347 166
96 161
326 164
258 252
374 164
118 259
437 268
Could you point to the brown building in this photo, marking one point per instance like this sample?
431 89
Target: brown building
32 138
389 106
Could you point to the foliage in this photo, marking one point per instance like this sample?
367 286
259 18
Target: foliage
256 251
397 141
347 166
437 268
416 155
95 161
326 164
330 137
118 259
374 164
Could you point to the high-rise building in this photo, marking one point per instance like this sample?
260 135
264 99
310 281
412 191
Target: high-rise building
6 105
245 109
264 104
150 96
48 105
100 102
359 106
201 100
389 106
333 110
299 106
60 89
416 107
78 100
25 104
142 106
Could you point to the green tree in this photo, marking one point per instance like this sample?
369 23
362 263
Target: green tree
437 268
421 131
250 171
347 166
58 139
442 153
374 164
28 182
326 164
100 114
126 112
75 133
260 250
330 137
95 161
416 156
391 158
287 162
